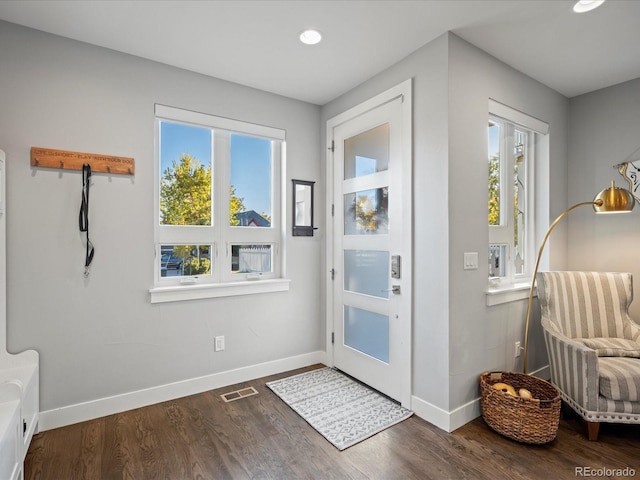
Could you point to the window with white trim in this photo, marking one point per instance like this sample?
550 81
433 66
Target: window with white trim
218 200
512 140
510 153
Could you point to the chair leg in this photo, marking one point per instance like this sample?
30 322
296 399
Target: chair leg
592 430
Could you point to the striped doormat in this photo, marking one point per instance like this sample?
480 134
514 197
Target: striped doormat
344 411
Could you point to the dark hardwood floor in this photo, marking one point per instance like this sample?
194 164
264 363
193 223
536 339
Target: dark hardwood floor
259 437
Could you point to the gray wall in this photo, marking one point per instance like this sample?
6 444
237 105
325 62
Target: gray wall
428 68
482 338
102 337
456 336
603 132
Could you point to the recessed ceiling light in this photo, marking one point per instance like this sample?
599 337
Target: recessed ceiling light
310 37
583 6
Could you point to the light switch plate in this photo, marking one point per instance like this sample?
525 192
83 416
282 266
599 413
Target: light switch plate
471 260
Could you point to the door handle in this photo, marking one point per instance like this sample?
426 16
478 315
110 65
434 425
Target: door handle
395 289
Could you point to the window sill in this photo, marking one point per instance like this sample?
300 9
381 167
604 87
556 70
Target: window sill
508 293
196 292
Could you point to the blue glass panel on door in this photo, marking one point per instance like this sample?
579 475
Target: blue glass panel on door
367 332
367 272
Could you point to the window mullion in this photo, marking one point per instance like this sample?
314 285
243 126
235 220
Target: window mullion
221 205
509 171
276 181
530 205
507 174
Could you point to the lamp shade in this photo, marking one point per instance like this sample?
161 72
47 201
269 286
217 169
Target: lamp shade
613 200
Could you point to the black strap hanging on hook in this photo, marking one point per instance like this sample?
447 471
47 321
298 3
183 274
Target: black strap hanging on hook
84 215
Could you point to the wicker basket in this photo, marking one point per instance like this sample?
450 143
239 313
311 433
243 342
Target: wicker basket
525 420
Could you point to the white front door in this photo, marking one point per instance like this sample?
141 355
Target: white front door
370 294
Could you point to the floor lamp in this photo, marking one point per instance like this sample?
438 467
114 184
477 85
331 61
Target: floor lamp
609 200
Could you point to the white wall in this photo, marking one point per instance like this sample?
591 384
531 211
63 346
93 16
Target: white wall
603 132
456 336
101 337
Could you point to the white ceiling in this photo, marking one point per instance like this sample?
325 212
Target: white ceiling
255 43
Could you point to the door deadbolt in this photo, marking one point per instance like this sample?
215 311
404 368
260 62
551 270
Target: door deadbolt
395 266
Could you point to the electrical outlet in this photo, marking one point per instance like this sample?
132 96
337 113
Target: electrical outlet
517 352
219 343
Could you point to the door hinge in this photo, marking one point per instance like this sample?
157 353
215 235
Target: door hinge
332 148
333 210
333 338
333 273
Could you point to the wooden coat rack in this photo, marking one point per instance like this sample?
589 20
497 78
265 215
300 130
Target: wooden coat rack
66 160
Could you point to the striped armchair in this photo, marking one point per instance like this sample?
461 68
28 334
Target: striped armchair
593 345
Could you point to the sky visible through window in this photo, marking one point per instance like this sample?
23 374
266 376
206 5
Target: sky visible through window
251 171
250 165
494 142
365 166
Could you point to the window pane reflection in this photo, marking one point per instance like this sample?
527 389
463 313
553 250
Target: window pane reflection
367 152
366 212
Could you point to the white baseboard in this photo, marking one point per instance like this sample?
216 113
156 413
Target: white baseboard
447 421
450 421
101 407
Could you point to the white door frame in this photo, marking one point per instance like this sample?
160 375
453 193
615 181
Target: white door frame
403 91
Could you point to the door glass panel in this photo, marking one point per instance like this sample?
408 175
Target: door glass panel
366 272
367 332
367 152
366 212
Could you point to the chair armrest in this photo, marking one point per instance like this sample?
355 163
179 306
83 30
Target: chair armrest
574 368
635 330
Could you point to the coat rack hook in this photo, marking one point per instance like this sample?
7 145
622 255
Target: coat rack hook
67 160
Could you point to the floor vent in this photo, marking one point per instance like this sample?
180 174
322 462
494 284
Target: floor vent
238 394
